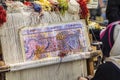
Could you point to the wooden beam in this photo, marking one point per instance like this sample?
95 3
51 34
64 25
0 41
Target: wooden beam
90 66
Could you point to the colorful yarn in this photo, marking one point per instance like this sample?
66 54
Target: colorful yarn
27 3
2 15
45 4
37 7
63 6
83 6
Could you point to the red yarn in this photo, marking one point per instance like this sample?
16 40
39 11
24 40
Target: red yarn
83 7
27 3
2 15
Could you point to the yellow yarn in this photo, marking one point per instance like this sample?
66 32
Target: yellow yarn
45 4
64 5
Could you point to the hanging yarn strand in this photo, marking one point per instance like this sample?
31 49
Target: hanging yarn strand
2 15
84 9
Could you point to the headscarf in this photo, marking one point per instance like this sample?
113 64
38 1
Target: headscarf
114 51
106 36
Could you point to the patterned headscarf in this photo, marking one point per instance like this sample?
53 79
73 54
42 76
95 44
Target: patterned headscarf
106 37
112 33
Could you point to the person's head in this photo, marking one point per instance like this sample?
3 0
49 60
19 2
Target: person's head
115 50
113 11
110 38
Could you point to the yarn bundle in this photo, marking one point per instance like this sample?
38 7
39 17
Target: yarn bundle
2 15
83 6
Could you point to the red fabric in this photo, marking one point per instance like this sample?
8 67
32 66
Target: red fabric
62 54
2 15
83 6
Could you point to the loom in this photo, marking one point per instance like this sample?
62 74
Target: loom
53 68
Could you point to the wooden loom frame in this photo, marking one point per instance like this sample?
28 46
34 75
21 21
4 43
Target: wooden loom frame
11 67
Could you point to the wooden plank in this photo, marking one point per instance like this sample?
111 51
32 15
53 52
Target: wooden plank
61 71
2 76
90 66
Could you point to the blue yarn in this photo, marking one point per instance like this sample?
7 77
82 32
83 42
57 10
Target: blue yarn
37 7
